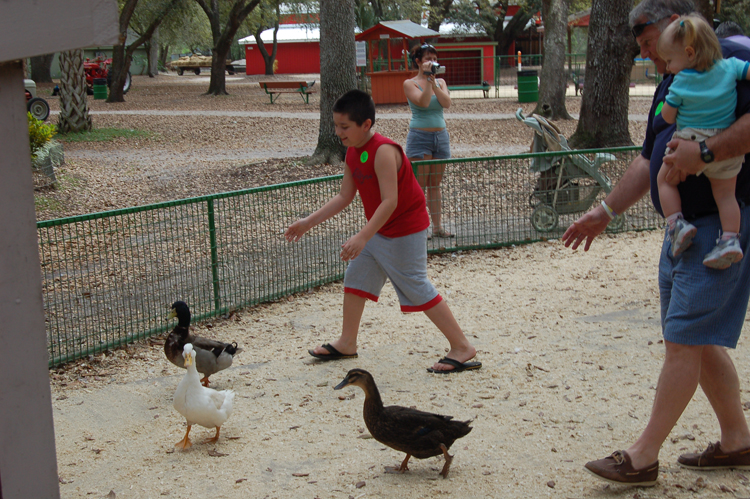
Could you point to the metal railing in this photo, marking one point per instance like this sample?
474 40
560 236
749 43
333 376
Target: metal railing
501 74
109 278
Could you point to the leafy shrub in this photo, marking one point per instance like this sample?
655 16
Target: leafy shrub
39 134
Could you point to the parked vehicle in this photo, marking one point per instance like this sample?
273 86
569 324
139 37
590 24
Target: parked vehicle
38 107
99 68
194 63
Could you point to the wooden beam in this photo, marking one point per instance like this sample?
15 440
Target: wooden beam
28 461
31 28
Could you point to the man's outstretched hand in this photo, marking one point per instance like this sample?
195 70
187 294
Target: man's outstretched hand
587 227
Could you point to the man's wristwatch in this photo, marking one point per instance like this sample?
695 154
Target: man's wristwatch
706 154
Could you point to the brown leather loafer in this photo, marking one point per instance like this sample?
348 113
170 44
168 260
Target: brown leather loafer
617 468
714 458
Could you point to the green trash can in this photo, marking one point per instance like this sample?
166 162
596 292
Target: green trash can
528 86
100 88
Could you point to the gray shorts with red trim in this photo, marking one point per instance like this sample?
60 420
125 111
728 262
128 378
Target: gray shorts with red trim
403 260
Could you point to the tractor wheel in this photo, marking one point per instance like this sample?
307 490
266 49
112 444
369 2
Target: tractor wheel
38 108
126 86
180 71
197 71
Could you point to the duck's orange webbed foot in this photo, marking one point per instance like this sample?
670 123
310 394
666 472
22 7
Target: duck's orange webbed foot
399 469
185 443
204 381
213 439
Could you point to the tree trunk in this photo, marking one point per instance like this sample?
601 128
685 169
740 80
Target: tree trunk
74 110
337 73
218 83
40 68
223 39
268 59
119 72
122 56
609 59
552 81
706 9
152 49
163 54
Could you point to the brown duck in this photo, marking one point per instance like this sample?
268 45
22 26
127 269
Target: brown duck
418 433
211 356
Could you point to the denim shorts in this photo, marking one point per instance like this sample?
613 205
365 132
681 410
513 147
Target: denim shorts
700 305
420 143
403 260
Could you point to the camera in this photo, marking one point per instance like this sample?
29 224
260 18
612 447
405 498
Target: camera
437 69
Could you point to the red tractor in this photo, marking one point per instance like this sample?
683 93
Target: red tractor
99 68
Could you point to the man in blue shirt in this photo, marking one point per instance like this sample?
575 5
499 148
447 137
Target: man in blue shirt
702 309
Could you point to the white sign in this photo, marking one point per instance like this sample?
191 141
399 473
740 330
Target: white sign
361 53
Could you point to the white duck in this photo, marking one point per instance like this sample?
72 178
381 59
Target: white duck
200 405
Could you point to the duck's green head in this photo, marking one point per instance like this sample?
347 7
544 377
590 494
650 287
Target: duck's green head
182 312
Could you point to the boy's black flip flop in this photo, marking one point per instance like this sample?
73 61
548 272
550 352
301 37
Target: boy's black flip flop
334 355
458 366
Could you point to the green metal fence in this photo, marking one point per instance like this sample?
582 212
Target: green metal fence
109 278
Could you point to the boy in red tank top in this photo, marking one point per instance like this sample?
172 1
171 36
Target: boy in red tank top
392 244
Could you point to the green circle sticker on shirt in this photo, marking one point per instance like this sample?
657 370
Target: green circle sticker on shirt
363 157
658 109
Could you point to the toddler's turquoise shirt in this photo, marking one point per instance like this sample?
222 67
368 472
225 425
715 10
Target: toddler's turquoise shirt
707 99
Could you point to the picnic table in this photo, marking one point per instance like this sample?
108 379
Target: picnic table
276 88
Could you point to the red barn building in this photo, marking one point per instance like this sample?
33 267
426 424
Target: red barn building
298 50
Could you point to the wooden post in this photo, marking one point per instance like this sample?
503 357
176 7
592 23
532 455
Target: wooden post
28 462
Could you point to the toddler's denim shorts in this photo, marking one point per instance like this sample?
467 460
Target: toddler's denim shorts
435 144
700 305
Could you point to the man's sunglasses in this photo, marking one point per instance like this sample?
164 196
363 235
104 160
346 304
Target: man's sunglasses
638 28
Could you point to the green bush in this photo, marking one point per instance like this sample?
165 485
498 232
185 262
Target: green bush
39 134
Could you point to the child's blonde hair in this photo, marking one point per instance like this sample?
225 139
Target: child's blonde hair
693 31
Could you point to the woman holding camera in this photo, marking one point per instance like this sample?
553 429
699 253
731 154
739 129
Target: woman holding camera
428 138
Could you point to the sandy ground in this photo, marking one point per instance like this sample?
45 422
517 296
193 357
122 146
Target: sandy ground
571 350
570 344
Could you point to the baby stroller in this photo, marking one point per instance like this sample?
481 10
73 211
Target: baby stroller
566 184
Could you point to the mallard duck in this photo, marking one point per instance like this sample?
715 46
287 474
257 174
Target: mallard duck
200 405
212 356
418 433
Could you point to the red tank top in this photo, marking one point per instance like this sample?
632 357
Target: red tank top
410 215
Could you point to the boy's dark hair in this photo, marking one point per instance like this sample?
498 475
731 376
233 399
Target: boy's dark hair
358 105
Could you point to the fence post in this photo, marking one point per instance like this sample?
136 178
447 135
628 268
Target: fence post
214 254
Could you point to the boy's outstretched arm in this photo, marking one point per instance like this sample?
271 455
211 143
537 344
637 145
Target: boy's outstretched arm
387 163
332 208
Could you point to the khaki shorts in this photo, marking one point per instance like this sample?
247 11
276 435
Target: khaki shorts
724 169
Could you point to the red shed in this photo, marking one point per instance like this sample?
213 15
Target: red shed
298 50
388 59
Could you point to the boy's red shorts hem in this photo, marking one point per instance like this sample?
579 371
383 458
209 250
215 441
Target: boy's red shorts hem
363 294
421 308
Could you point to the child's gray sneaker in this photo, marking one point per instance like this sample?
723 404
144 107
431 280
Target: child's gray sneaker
725 253
681 236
